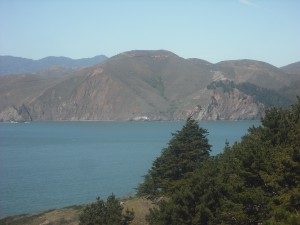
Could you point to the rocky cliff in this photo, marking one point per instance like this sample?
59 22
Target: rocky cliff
233 105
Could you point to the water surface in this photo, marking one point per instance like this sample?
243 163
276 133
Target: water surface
45 165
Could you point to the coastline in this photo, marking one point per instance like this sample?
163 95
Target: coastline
70 215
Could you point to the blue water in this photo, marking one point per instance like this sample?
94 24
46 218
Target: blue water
46 165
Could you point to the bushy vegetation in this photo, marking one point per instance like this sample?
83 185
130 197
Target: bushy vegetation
256 181
106 213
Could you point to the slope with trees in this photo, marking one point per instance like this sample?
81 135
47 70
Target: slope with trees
256 181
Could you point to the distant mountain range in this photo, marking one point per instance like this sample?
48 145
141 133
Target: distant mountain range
17 65
150 85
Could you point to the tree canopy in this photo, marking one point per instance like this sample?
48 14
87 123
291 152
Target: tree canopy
184 154
256 181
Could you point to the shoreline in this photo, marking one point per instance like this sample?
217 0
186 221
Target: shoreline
70 215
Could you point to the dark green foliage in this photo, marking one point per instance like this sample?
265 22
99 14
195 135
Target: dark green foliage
256 181
187 149
266 96
226 85
106 213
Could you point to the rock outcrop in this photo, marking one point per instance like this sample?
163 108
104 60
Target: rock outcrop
12 114
233 105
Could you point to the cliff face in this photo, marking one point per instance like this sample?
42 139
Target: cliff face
233 105
220 105
10 114
146 85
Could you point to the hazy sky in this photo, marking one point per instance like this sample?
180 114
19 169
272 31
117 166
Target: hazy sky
214 30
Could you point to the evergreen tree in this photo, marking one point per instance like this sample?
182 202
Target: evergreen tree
184 154
256 181
105 213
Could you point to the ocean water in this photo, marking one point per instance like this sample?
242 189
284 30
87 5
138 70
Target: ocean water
46 165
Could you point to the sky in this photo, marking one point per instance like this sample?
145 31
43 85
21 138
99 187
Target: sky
213 30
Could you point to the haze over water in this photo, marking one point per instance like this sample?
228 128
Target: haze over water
46 165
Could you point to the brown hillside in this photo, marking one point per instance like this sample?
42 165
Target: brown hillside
142 85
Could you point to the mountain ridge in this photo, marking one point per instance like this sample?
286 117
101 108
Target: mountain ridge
18 65
154 85
293 68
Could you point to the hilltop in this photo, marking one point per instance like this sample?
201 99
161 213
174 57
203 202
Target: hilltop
149 85
293 68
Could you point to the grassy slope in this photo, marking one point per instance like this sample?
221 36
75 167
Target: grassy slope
140 207
70 215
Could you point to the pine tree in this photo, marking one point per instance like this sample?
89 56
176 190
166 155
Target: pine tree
184 154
